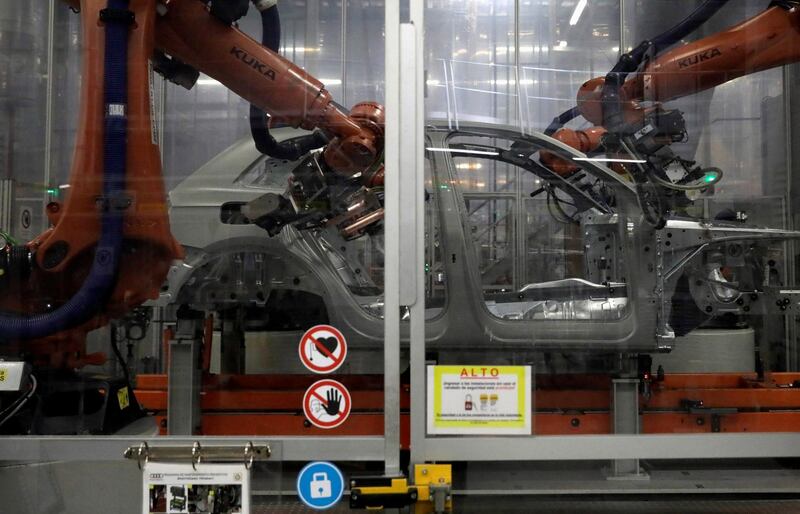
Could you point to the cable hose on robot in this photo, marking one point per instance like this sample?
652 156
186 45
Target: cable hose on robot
294 148
101 280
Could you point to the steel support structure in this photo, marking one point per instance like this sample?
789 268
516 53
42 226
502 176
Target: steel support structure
185 378
625 409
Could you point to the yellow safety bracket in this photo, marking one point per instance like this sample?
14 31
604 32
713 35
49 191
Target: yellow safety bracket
377 493
434 484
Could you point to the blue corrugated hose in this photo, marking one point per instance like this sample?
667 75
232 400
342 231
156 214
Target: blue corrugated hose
100 283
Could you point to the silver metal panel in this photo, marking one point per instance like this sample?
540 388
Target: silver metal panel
588 478
626 421
6 199
49 102
417 328
610 447
112 448
409 175
71 488
391 321
184 387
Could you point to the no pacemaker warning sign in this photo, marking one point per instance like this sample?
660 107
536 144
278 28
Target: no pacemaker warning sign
327 404
322 349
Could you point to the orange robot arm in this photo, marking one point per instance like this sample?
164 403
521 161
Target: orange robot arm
184 29
767 40
284 90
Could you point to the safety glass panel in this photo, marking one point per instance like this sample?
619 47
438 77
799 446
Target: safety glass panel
619 245
192 252
492 230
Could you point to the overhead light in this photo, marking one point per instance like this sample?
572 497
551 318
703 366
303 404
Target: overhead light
608 159
300 49
576 15
469 166
459 150
64 186
208 82
562 44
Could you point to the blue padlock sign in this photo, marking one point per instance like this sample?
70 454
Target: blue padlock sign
320 485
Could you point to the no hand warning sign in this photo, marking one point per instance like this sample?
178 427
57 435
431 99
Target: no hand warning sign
327 404
322 349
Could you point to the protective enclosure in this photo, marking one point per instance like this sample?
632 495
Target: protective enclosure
614 181
175 309
497 235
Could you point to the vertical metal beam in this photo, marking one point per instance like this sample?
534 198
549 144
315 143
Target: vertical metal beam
48 119
417 332
455 95
447 84
343 54
790 246
232 343
391 315
183 387
518 67
622 47
6 203
161 117
625 411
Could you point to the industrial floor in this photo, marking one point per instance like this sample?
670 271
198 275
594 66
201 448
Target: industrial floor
569 488
575 488
533 505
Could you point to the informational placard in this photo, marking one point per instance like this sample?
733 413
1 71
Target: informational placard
322 349
12 375
209 489
479 400
327 404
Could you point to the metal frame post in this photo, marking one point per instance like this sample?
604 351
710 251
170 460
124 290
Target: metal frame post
185 378
391 311
625 410
48 122
417 329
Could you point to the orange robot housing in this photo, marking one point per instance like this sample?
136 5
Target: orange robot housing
186 30
765 41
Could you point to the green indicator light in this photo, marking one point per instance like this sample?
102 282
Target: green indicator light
710 177
52 191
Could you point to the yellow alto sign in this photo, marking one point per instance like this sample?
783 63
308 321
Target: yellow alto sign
486 400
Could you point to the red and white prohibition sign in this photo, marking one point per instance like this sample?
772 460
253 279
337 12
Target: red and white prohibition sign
327 404
322 349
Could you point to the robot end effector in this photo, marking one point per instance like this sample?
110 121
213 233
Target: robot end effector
632 127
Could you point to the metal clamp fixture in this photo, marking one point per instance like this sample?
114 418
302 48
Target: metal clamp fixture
434 483
381 493
430 493
197 454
